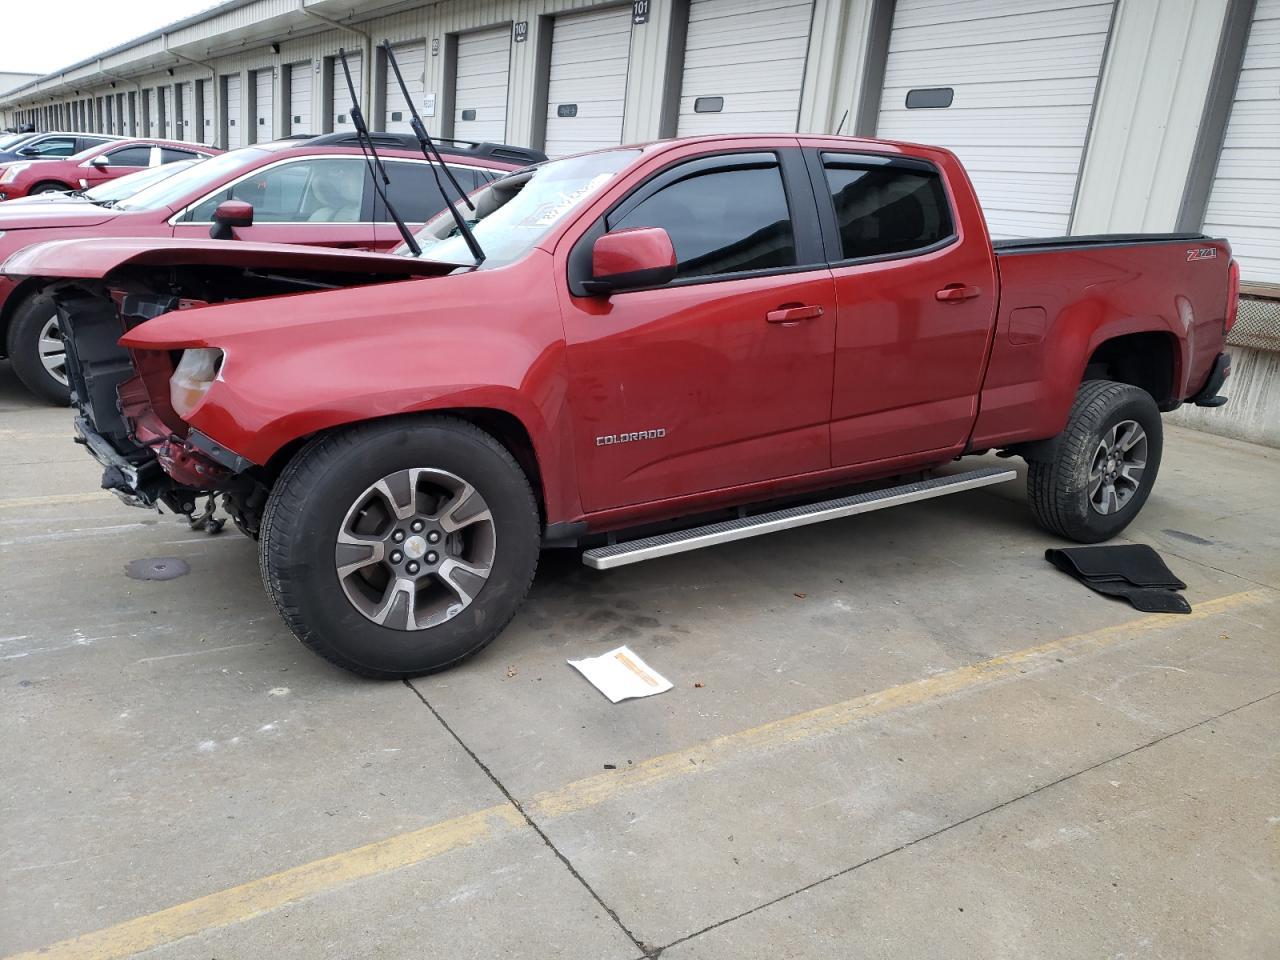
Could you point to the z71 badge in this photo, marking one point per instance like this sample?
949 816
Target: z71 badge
613 438
1202 253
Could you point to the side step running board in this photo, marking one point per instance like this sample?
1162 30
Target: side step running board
682 541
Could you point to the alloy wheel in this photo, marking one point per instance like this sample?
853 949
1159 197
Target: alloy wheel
415 549
1119 461
53 352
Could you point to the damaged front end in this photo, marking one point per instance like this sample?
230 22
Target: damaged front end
130 406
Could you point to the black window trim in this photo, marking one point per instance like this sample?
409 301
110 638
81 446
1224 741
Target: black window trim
797 191
816 159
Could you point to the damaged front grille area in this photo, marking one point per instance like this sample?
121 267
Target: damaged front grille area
139 442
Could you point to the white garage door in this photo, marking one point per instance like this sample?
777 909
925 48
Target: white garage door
1244 204
1009 86
300 97
264 105
412 59
480 90
203 124
744 66
588 82
231 110
148 115
190 122
341 95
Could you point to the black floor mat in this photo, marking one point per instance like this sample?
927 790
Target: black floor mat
1132 571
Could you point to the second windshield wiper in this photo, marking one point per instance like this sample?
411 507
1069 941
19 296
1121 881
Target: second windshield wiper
376 171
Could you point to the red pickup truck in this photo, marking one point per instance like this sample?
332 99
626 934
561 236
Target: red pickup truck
663 347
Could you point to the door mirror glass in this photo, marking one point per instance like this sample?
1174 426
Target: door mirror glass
628 259
229 214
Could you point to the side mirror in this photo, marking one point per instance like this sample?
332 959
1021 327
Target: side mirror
230 214
100 161
628 259
28 152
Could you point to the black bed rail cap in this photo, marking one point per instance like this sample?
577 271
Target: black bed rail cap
457 148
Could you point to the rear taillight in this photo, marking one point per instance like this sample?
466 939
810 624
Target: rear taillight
1233 296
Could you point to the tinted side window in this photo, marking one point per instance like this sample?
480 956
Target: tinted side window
130 157
884 210
87 142
170 155
52 147
413 191
722 221
329 190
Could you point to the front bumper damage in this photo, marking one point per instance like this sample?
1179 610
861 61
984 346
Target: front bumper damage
149 456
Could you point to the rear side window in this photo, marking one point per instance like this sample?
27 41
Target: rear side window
721 221
130 157
414 193
883 209
87 142
171 155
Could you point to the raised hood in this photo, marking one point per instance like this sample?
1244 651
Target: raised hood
30 216
92 259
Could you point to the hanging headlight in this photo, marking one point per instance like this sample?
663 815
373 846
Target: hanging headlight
192 379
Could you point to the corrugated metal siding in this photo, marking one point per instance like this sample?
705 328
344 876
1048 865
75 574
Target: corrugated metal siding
1244 205
1160 62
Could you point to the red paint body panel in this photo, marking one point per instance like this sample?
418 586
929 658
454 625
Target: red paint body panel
23 225
1089 297
657 403
70 171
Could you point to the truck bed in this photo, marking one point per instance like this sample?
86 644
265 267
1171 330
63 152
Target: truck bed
1092 241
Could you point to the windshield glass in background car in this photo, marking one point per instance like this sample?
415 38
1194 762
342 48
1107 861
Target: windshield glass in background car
175 190
553 190
113 191
9 139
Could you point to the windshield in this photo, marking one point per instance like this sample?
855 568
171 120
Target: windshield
12 139
516 212
175 190
121 188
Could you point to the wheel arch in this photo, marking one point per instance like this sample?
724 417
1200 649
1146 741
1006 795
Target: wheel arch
12 303
503 425
1149 359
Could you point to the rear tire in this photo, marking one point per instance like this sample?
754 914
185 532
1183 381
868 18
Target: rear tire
35 350
337 552
1104 466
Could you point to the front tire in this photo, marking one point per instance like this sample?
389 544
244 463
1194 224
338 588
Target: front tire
37 352
49 187
1104 466
400 548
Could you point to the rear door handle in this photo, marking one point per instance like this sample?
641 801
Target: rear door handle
957 292
793 314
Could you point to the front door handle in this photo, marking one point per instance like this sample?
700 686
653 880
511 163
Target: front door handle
793 313
957 292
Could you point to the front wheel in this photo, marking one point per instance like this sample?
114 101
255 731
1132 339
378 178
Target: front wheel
36 349
1104 466
50 187
400 548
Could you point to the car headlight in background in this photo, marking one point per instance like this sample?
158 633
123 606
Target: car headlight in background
192 379
11 172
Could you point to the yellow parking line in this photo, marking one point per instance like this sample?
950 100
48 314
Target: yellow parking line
310 879
53 499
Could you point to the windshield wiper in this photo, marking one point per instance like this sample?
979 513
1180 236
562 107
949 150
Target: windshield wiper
435 161
377 172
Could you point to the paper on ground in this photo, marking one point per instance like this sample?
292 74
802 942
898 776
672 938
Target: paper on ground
621 675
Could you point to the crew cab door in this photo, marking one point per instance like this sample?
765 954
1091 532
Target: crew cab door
322 201
916 297
702 384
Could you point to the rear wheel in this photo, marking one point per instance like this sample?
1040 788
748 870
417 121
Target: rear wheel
398 549
36 349
1104 466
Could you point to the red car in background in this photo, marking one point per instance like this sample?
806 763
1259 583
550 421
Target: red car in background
315 191
98 164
